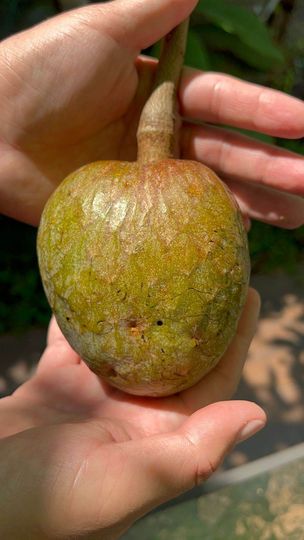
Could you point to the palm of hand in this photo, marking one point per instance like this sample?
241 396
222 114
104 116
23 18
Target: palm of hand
94 117
96 122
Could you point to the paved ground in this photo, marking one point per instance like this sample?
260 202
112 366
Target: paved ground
273 376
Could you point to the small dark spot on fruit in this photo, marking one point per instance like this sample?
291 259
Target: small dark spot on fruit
196 340
119 290
159 323
162 350
132 323
108 371
67 318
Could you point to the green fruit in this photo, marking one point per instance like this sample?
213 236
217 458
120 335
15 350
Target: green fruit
145 264
146 268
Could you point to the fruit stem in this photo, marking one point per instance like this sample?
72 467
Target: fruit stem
156 134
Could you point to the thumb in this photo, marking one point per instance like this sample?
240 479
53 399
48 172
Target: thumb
136 24
156 469
165 466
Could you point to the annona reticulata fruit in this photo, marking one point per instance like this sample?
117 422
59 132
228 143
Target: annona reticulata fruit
145 264
146 268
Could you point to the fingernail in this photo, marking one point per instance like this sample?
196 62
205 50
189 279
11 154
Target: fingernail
250 429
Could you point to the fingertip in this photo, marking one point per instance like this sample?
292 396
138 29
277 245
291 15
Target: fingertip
144 22
256 420
251 410
216 429
249 318
223 421
54 333
58 351
254 299
246 222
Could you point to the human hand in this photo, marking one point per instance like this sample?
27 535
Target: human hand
71 92
78 458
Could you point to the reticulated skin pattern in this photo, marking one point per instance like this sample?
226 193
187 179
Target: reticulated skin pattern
146 268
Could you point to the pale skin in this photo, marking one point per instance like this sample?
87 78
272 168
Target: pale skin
78 459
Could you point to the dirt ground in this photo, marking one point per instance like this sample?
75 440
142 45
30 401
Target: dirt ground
274 372
273 375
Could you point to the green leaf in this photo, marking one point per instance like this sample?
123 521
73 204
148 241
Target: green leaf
218 40
254 135
240 22
226 63
196 53
154 50
292 145
272 248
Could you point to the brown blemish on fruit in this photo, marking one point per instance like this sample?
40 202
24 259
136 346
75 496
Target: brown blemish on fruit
106 370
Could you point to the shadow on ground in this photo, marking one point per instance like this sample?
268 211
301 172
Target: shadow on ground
274 373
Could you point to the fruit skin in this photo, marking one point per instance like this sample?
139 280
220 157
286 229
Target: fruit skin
146 268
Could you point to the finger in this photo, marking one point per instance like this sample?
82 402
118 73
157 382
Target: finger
268 205
238 159
154 470
58 351
218 98
246 221
137 24
54 333
223 380
241 158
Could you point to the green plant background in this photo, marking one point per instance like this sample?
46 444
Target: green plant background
224 36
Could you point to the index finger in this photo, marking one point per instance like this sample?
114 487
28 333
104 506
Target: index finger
223 99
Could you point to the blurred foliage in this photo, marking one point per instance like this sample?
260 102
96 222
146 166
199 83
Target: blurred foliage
224 36
273 249
227 27
228 37
22 300
15 15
